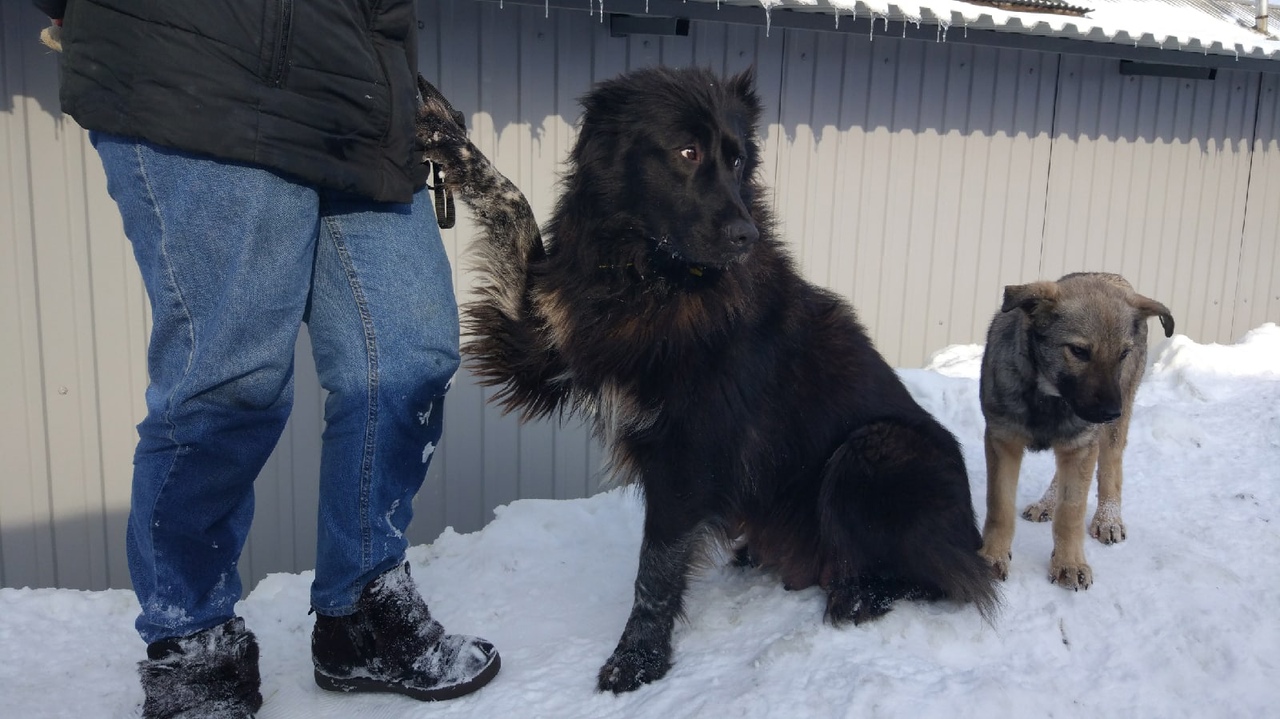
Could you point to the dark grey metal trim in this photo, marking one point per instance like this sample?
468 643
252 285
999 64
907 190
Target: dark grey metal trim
624 25
1129 67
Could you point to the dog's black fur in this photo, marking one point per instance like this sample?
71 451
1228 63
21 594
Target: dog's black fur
748 403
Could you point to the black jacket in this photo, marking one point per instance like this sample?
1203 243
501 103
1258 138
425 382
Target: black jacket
321 90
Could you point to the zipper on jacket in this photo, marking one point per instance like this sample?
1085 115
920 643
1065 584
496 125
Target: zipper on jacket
284 28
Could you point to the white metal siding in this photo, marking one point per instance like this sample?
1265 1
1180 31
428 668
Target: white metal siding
1149 178
1257 298
914 178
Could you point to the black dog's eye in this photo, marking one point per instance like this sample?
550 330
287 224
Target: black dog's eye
1125 353
1081 353
737 162
691 154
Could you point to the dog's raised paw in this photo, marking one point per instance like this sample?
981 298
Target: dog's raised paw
1071 576
441 131
629 669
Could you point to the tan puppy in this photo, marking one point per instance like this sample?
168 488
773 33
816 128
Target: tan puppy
1062 364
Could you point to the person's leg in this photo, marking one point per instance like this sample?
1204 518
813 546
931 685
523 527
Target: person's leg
225 252
384 327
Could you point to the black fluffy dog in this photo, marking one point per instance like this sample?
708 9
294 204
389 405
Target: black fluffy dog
749 404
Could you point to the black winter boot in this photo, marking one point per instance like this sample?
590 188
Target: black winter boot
391 644
212 674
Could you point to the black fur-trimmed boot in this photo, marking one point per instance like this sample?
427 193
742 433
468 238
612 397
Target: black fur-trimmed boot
212 674
391 644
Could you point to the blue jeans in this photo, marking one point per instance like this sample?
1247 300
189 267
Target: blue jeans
235 258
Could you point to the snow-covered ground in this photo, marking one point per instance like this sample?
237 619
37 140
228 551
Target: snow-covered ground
1183 619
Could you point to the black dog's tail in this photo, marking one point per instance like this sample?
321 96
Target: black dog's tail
963 575
898 518
509 345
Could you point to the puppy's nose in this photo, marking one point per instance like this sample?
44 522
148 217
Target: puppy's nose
741 232
1101 414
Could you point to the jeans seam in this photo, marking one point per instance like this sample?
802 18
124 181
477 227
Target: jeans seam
171 280
371 423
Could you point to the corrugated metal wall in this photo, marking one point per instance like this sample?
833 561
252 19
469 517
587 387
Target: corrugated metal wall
916 178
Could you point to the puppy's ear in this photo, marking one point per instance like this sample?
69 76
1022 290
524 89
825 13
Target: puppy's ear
1148 307
1033 297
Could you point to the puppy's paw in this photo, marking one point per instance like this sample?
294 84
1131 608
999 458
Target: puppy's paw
1107 532
1070 575
1041 511
1107 527
998 561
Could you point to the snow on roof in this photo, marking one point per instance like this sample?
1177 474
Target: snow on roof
1220 27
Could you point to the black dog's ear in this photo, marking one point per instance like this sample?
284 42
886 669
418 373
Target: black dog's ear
1031 297
744 83
1148 307
743 86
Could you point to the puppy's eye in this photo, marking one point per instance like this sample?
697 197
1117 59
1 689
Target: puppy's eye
691 154
1080 353
737 162
1125 353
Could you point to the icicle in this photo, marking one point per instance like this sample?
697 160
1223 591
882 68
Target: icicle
646 7
872 33
837 12
768 19
943 27
546 9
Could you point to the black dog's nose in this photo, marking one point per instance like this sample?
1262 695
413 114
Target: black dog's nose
741 232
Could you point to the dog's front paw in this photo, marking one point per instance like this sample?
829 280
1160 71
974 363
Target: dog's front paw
852 602
1107 532
998 561
1041 511
1107 526
1070 575
631 667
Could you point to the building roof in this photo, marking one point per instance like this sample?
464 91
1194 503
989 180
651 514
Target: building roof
1217 27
